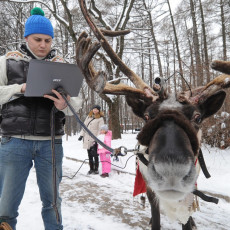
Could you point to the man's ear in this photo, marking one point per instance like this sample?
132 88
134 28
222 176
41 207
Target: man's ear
212 104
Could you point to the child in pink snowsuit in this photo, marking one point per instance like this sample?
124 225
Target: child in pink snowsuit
106 137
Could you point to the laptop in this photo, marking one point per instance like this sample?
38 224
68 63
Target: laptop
43 76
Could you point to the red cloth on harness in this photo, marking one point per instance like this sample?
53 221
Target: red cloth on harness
139 185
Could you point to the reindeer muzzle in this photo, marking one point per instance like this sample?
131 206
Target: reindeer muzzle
150 128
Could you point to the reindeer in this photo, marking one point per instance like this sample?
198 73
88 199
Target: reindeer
171 136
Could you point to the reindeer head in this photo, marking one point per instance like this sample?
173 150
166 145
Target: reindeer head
172 134
172 130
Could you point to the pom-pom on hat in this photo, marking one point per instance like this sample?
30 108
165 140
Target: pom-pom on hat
37 23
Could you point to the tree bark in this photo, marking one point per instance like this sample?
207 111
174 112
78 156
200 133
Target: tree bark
154 40
223 30
206 62
177 47
199 70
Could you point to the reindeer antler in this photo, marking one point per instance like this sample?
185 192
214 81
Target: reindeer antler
199 94
85 52
222 66
96 80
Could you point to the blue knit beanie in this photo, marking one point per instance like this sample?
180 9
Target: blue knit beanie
37 23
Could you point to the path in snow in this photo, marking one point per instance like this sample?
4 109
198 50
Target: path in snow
95 203
112 197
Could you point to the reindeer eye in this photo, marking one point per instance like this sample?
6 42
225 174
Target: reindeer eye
197 118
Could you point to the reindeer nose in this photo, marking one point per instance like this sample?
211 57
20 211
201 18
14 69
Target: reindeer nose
174 176
171 172
172 145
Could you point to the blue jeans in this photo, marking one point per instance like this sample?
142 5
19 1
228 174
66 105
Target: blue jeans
16 159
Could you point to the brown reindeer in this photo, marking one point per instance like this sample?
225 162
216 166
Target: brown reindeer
171 138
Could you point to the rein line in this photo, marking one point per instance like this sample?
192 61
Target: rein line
114 152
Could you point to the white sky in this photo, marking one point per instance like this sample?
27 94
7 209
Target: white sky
174 4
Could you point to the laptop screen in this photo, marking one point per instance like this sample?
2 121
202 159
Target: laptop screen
43 76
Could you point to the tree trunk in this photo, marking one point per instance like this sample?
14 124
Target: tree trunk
154 40
114 118
199 70
205 45
192 75
223 30
151 75
177 47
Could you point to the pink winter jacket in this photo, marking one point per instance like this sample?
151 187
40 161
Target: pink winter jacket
107 141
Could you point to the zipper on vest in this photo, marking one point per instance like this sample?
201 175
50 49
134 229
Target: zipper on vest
33 118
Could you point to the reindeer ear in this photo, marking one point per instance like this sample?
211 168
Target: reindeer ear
138 105
212 104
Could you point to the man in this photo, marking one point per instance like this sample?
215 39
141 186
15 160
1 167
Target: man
25 127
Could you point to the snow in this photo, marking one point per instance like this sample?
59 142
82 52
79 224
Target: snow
90 202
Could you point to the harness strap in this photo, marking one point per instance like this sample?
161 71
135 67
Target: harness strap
142 159
203 165
205 197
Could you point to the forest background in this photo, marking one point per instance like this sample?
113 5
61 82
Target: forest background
177 44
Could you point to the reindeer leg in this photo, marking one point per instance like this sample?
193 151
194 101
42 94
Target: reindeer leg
155 210
190 225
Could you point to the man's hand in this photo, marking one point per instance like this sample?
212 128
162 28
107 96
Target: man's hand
23 89
59 102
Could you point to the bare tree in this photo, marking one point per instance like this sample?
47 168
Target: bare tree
206 64
223 30
199 70
177 45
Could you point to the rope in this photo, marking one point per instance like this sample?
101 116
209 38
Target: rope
113 151
54 164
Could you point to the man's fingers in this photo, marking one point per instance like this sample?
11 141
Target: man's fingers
59 102
51 98
57 93
59 97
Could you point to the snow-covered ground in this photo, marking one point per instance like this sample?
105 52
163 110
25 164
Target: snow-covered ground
95 203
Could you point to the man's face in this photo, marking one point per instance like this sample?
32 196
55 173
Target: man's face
40 44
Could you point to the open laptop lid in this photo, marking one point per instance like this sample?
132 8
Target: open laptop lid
43 76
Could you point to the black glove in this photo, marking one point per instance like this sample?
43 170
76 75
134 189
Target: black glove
80 138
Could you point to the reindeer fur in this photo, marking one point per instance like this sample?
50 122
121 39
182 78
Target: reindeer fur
172 165
145 136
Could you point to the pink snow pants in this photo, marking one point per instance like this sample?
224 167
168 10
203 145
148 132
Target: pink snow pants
105 162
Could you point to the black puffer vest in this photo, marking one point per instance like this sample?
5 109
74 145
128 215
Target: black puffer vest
28 115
